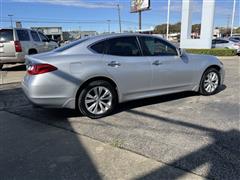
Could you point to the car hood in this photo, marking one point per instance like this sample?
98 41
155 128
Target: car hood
202 57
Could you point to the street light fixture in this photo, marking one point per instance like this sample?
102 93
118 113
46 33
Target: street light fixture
119 18
10 16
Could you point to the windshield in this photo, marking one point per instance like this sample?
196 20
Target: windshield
72 44
6 35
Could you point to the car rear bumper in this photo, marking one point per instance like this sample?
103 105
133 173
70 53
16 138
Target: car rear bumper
13 59
37 95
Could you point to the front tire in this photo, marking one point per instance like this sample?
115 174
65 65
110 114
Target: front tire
210 82
98 99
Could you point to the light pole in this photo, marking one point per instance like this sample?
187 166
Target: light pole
119 18
10 15
168 17
233 16
109 21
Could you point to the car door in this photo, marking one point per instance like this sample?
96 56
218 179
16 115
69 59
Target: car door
37 43
226 44
170 71
124 62
44 42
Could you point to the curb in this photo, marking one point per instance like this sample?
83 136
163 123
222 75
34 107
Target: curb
228 57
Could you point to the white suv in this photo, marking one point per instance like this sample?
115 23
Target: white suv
17 42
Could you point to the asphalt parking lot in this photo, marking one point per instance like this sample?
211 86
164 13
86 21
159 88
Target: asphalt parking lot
187 131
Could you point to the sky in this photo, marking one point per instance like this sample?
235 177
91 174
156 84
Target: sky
94 14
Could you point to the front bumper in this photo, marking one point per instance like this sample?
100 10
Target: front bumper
222 74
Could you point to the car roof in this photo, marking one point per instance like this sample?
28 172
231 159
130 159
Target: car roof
97 38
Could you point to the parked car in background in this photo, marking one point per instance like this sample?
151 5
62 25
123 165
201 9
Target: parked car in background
95 73
15 43
235 38
226 43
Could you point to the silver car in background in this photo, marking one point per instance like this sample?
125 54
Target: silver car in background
230 43
94 74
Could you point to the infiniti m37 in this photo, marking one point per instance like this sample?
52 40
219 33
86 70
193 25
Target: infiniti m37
94 74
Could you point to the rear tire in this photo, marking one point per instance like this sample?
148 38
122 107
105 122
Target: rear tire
32 51
210 82
1 67
98 99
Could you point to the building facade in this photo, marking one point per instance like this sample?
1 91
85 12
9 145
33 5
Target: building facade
54 33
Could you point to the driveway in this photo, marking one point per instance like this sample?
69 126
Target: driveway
194 133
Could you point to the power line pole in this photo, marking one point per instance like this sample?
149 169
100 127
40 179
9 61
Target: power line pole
228 21
233 16
168 17
119 18
140 20
109 21
10 15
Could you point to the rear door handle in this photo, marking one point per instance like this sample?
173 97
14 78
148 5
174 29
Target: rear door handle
114 64
157 63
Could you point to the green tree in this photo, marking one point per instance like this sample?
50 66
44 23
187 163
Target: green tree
237 31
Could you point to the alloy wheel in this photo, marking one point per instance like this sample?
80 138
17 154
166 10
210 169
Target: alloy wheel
211 82
98 100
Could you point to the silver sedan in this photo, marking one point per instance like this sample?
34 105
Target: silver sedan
94 74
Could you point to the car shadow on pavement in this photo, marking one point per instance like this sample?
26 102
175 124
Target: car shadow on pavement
222 155
60 155
17 67
158 99
33 150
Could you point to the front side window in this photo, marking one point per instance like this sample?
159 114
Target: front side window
224 41
43 37
35 36
123 46
23 35
156 47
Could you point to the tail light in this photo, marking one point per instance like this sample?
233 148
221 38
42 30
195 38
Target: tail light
36 69
18 46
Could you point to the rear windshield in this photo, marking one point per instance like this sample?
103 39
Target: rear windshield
6 35
70 45
234 40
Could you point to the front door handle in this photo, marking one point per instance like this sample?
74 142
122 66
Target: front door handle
114 64
157 63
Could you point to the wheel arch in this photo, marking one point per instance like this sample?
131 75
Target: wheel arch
32 50
217 67
97 78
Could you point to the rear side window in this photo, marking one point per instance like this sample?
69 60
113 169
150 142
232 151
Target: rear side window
23 35
123 46
6 35
72 44
35 36
99 47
